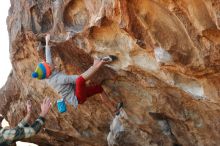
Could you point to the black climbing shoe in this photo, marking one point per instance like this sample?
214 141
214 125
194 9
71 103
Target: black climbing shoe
109 58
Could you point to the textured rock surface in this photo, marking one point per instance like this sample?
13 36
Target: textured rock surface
167 73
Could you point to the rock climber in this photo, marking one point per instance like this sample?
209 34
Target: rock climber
23 129
73 88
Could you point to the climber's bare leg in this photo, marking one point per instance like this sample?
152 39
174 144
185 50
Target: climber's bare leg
97 64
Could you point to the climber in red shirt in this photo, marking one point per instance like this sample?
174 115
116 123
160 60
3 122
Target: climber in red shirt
73 88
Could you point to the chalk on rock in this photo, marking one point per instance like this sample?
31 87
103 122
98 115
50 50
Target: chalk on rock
162 55
116 128
40 46
165 127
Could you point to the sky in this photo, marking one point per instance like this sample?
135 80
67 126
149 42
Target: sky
4 43
5 64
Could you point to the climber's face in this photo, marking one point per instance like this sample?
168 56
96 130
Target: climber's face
58 63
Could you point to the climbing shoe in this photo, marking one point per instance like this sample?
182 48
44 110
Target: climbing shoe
109 58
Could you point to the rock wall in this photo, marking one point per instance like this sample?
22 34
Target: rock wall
167 74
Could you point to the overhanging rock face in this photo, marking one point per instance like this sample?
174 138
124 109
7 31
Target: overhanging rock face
167 73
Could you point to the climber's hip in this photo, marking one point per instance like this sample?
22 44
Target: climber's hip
83 91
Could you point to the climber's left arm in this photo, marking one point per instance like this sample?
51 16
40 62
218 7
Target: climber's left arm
48 52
